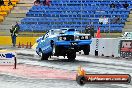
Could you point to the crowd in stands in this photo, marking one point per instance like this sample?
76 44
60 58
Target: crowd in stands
45 2
114 20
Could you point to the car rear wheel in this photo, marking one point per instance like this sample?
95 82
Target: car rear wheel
86 49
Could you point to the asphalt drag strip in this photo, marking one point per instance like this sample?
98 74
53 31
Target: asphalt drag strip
36 72
59 73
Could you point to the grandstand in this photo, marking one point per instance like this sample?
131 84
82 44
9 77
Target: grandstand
75 14
9 15
35 20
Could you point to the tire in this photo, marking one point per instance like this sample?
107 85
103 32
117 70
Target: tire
44 56
57 50
71 56
53 47
86 50
81 80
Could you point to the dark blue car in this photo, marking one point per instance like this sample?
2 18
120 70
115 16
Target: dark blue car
63 42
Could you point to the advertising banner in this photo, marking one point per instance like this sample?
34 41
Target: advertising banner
126 48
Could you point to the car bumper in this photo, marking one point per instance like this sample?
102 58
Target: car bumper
73 43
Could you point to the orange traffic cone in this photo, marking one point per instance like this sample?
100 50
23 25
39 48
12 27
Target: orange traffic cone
27 45
98 33
19 45
30 45
22 45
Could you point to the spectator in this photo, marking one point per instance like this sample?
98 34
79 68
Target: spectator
37 2
105 20
92 31
14 32
125 5
1 2
9 3
101 20
46 2
87 29
116 20
112 5
17 26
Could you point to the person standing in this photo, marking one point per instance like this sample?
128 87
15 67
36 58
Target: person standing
14 33
92 31
17 25
87 29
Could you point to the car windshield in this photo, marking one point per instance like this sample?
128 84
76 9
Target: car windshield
56 31
71 29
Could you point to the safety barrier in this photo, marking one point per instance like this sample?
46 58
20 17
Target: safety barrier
105 47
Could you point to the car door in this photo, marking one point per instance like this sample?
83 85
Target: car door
45 43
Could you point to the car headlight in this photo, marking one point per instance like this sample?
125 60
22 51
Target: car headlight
86 37
82 37
62 38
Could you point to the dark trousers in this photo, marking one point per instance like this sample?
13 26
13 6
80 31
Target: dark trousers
13 40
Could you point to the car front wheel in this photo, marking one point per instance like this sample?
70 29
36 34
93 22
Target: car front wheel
44 56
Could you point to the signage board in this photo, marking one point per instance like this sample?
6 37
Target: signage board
7 57
126 48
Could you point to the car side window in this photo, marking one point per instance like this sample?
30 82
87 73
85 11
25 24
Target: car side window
46 36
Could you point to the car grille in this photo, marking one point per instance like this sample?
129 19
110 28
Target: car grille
70 38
